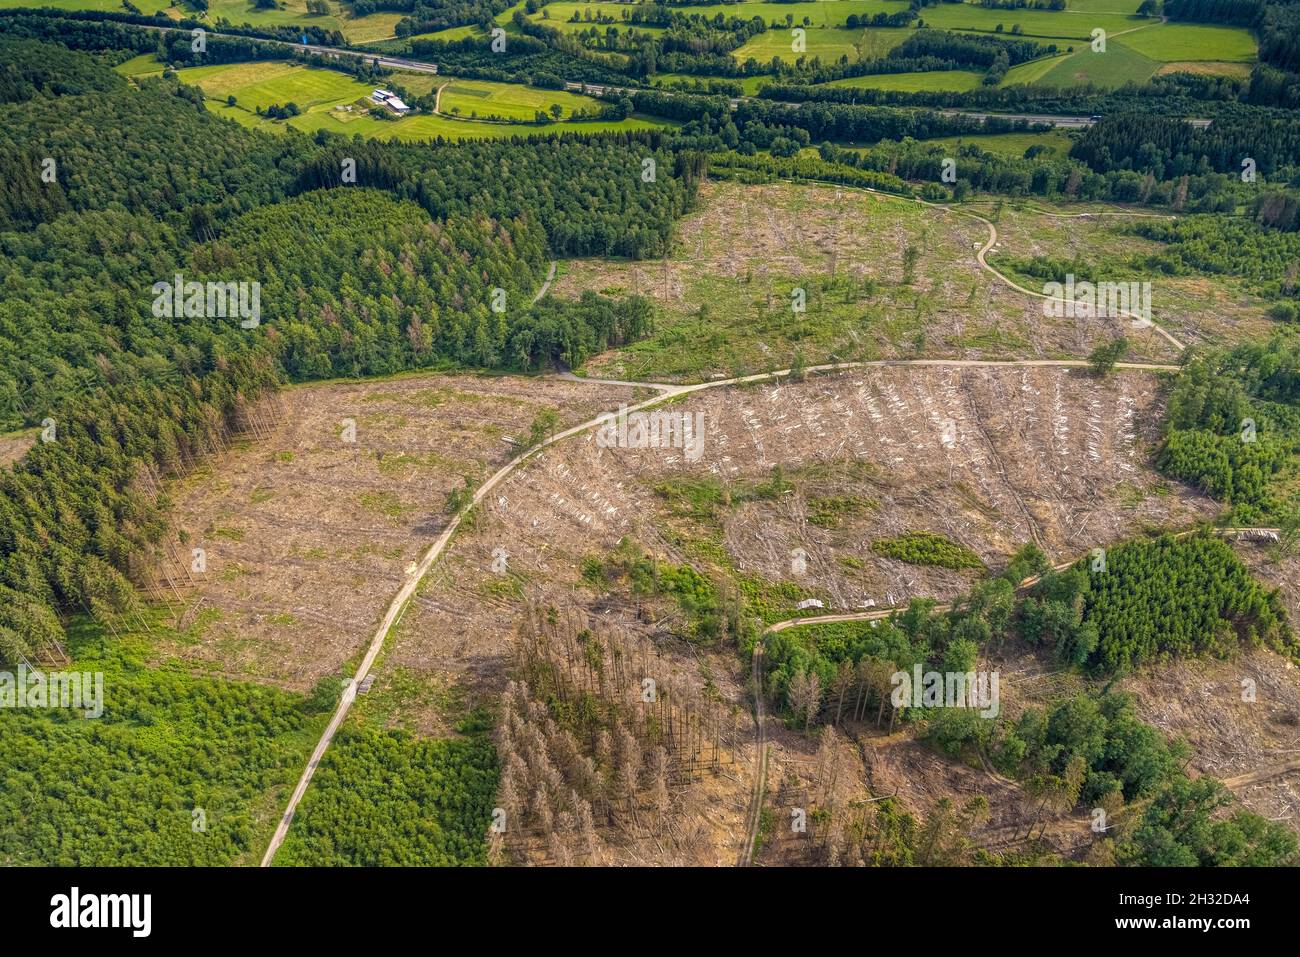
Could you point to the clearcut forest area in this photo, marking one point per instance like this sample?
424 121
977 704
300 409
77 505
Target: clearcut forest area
835 433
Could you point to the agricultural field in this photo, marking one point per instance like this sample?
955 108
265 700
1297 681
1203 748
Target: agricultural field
828 43
335 101
1139 54
107 6
485 100
1118 65
1058 25
1024 74
376 26
1175 42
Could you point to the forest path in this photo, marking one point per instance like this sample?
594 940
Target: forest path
550 275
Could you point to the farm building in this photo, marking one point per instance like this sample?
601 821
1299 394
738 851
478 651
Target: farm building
390 100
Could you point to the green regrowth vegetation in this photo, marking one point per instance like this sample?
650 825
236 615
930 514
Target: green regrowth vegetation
385 798
926 548
179 770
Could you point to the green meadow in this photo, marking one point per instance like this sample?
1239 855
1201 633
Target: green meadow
1010 144
506 100
829 43
1173 42
334 101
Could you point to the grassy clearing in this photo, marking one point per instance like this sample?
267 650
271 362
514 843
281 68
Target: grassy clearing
1024 74
143 65
1172 42
376 26
102 6
449 35
828 43
506 100
260 84
1117 66
1012 144
1049 24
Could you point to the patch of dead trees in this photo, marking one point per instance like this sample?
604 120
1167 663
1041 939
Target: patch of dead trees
596 740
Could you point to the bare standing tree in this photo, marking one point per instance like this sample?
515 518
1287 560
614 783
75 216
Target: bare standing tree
805 696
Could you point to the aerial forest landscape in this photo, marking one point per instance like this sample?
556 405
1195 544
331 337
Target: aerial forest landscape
620 435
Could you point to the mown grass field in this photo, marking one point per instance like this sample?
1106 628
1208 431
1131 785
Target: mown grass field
828 43
143 65
1171 42
103 6
1011 144
1117 66
506 100
750 84
261 84
1033 71
428 127
376 26
1061 25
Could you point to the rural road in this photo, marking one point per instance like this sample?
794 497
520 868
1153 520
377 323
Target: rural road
394 612
418 66
755 813
992 240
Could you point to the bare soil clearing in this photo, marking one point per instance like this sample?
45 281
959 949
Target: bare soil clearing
725 294
307 536
14 446
988 457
